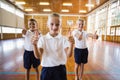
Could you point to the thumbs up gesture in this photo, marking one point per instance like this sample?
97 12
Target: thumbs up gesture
70 38
24 30
24 27
95 36
35 37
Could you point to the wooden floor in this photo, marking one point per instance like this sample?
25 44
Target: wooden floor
104 61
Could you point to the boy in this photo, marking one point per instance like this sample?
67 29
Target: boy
29 58
54 49
81 51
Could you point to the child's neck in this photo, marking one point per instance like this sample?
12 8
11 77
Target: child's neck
80 30
53 35
31 30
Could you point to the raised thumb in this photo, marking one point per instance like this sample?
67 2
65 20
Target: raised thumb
36 33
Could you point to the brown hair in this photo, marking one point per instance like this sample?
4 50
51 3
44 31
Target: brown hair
32 20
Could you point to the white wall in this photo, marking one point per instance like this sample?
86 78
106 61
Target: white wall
0 17
9 15
20 22
8 19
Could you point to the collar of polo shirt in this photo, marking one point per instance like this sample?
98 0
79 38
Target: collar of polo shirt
49 36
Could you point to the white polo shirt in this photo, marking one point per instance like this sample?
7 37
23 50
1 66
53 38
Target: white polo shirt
27 43
53 50
81 44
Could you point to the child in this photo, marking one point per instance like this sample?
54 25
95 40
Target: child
29 58
54 49
81 51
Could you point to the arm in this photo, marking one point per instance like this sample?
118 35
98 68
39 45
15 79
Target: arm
24 30
69 49
79 36
94 36
37 51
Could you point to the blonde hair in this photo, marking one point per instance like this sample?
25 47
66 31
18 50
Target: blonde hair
53 15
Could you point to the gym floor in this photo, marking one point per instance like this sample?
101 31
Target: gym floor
103 62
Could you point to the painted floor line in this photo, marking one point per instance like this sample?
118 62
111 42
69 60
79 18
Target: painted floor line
69 73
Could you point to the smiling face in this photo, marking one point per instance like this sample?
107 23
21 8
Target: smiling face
32 24
80 25
54 24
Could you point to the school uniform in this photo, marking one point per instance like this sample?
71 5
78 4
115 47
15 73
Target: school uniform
28 57
80 50
54 57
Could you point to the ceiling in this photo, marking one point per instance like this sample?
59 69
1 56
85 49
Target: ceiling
57 6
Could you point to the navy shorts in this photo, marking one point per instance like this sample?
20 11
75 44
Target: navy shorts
81 55
30 60
54 73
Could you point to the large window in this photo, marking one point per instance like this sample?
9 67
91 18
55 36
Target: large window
118 31
105 17
11 9
7 7
0 29
11 30
91 23
19 13
96 21
8 30
115 13
18 30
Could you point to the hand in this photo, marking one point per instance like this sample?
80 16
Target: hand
36 25
35 38
36 28
71 40
95 36
79 35
24 30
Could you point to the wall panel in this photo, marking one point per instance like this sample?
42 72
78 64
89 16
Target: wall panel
20 22
8 19
0 16
42 23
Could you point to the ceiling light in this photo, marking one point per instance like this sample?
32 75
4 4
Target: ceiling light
64 10
89 5
67 4
46 10
44 3
29 9
20 2
82 11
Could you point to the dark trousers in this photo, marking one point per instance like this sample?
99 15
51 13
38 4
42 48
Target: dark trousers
54 73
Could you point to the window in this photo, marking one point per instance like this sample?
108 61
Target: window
18 30
11 9
0 29
114 12
19 13
8 30
11 30
7 7
118 31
